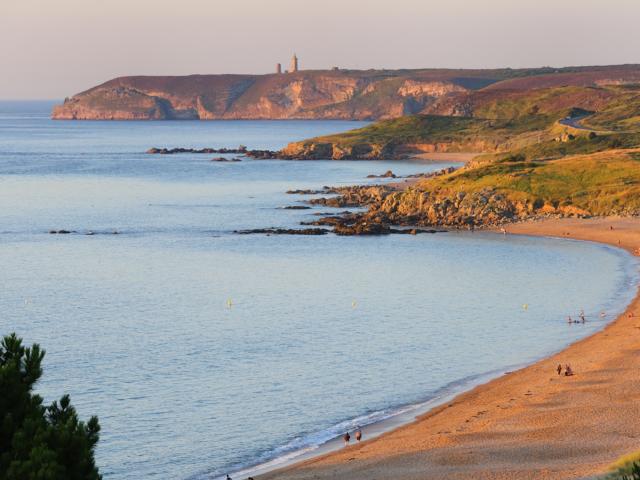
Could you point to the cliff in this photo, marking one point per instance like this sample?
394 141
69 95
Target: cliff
335 94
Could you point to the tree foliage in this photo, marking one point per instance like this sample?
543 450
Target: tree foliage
39 442
633 472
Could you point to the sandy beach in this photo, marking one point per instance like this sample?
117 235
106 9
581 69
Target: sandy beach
528 424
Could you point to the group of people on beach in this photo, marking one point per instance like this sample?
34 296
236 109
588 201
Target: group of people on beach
582 317
568 372
347 437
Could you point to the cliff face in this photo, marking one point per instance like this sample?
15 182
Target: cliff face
303 95
335 94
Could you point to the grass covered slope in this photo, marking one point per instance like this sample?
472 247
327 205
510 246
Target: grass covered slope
543 156
604 183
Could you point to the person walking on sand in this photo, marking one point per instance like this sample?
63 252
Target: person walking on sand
346 437
358 434
559 369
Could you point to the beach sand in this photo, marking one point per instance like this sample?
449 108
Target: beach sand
527 424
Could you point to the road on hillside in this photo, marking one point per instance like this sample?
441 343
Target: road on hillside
573 122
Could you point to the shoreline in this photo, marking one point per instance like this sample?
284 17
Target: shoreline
468 437
402 415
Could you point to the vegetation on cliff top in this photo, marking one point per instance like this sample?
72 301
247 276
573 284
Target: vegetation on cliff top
557 151
596 184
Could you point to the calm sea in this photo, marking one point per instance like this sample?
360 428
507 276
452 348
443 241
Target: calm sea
203 351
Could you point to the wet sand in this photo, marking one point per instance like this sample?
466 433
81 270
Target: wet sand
527 424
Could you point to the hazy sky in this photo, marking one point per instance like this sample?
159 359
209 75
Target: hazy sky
54 48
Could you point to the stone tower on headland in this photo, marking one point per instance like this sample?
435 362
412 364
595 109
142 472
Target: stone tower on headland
278 68
294 64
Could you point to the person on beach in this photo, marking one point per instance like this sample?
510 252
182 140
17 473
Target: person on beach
567 370
346 437
582 317
569 319
358 434
559 369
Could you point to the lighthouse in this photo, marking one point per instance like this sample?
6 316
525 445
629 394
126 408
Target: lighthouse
294 64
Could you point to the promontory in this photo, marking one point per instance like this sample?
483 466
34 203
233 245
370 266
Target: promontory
322 94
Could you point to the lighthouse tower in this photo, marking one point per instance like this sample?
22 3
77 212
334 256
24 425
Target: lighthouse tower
294 64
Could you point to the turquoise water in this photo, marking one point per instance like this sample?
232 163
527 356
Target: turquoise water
323 333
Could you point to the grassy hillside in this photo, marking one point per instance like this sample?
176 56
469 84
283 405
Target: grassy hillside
598 184
558 151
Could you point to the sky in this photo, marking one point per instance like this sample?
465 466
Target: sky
50 49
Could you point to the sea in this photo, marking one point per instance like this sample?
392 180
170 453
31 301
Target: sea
204 352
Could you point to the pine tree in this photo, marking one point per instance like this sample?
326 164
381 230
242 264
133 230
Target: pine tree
38 442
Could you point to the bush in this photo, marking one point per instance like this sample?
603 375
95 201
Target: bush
513 157
38 442
631 472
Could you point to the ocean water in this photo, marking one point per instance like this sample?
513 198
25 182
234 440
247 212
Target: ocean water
203 351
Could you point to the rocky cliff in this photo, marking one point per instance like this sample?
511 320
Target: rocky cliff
335 94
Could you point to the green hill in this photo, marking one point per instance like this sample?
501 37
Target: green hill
566 151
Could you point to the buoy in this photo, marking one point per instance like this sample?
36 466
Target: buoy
525 306
354 304
229 303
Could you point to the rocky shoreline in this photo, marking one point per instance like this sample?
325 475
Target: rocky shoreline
241 150
317 152
397 205
386 207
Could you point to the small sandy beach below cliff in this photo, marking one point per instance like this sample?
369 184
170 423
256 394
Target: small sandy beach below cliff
527 424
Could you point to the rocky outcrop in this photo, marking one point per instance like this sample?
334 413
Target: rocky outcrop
119 103
172 151
355 196
284 231
488 207
310 150
387 174
413 207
